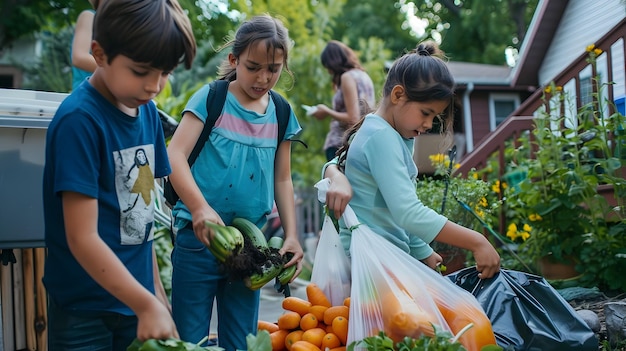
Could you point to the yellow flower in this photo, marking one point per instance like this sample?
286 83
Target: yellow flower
496 187
525 235
527 228
483 202
559 88
590 47
437 158
475 175
597 51
514 234
512 228
511 235
534 217
548 89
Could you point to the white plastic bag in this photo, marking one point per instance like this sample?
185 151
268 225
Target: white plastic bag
396 293
331 267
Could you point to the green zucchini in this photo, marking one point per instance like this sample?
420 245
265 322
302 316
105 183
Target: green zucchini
251 231
258 280
275 242
286 274
227 241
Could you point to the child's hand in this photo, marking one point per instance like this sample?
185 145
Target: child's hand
433 260
487 260
321 111
155 322
292 246
486 256
202 232
339 194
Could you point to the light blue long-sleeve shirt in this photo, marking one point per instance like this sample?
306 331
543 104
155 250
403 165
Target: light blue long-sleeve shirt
383 175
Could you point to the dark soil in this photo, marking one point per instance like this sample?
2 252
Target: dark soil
251 260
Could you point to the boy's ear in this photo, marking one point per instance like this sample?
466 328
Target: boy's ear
98 53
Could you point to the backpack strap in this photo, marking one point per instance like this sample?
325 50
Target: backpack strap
283 111
214 105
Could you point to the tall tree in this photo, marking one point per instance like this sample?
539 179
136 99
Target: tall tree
476 30
381 19
19 18
26 17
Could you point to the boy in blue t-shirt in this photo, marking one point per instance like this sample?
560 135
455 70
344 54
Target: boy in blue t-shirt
104 147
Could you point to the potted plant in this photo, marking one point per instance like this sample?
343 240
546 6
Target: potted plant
445 193
560 197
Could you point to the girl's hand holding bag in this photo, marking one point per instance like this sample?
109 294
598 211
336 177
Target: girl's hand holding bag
331 267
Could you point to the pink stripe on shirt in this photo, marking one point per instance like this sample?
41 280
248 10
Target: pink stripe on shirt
237 125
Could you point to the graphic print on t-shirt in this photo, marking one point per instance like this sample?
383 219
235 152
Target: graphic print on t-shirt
134 184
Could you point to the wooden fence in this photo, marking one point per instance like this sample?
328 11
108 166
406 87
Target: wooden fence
23 300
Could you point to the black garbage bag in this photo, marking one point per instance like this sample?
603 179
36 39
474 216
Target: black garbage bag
526 312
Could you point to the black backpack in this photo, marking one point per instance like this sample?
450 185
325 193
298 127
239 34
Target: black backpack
217 93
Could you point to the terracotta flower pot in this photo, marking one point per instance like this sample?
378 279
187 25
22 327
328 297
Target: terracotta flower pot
552 269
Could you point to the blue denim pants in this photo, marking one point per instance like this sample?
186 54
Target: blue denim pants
106 331
198 281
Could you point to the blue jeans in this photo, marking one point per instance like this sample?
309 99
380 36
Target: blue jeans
197 281
105 331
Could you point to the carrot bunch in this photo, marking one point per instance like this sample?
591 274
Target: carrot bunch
313 324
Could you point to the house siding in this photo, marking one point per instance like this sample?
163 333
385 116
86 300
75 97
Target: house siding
480 115
583 22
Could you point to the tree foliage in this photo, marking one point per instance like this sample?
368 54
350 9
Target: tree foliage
19 18
381 19
52 73
477 30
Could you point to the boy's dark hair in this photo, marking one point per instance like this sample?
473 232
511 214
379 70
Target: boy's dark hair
257 29
156 32
339 58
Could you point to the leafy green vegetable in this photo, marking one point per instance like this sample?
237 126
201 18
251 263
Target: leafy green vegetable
442 341
169 345
260 342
